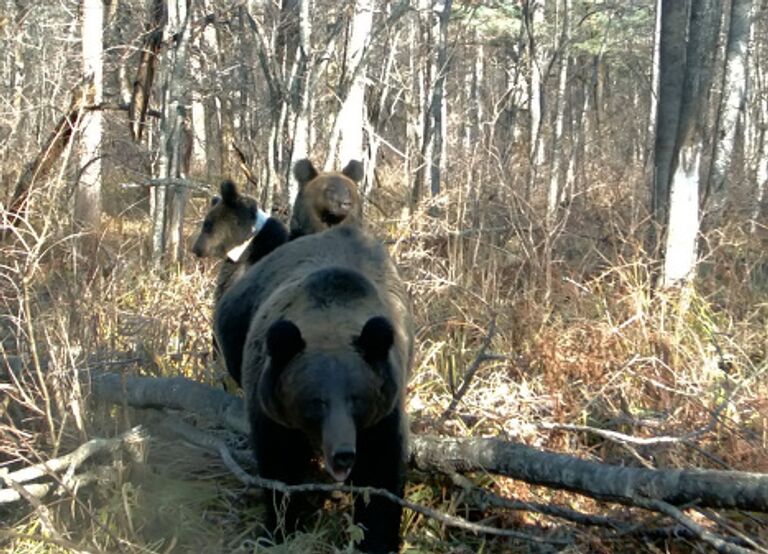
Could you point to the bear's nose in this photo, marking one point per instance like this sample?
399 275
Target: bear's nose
343 458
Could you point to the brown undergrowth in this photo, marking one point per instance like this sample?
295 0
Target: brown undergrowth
582 342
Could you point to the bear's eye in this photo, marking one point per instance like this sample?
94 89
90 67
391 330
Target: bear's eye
207 226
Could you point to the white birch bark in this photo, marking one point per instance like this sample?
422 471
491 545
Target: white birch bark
439 105
681 250
732 104
171 201
88 196
536 61
651 130
301 129
680 253
351 113
562 104
199 145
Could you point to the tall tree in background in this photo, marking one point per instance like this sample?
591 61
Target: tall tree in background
346 141
301 92
558 153
756 121
88 196
732 104
534 19
687 45
174 144
438 108
431 80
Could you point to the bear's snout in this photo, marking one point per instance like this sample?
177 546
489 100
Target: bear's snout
341 462
343 459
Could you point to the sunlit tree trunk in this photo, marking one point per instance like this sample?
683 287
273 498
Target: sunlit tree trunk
438 107
301 95
558 153
209 46
574 175
170 200
756 122
673 22
88 196
682 225
651 129
535 21
15 67
349 122
423 73
732 104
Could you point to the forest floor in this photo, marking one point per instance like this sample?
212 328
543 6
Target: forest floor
581 342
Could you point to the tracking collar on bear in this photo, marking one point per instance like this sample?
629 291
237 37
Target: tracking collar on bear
236 252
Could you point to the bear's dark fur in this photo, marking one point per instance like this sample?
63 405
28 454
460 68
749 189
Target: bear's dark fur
237 232
323 331
325 199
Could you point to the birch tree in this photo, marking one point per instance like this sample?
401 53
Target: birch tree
88 196
348 128
535 21
169 197
301 92
562 104
732 104
685 75
438 109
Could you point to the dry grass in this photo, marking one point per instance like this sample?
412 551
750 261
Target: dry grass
581 338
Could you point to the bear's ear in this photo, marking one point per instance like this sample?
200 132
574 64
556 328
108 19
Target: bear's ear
354 170
229 192
375 340
215 200
284 342
304 171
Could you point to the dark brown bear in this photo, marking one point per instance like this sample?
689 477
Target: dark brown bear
323 330
325 199
237 232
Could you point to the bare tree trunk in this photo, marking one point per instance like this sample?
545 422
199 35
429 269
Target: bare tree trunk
348 127
732 104
301 92
681 251
209 52
438 108
145 74
199 141
88 195
673 21
16 76
651 129
536 60
575 173
423 73
758 122
558 153
170 200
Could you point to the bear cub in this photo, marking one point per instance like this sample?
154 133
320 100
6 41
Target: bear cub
325 199
236 231
323 332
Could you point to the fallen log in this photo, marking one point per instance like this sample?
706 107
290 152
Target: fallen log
625 485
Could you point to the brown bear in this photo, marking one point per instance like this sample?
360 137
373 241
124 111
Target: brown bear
325 199
238 232
323 331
